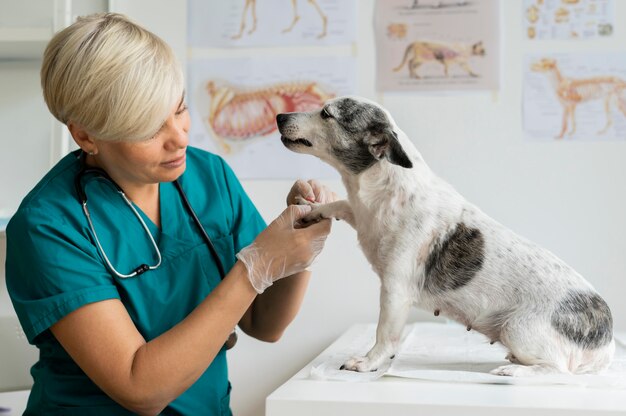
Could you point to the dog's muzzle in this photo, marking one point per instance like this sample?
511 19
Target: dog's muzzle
288 130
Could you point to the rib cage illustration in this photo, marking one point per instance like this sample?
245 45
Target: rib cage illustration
238 114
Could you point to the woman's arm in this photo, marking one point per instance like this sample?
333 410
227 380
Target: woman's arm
273 310
145 376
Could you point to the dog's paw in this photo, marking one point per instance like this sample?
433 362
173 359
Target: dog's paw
312 217
360 364
317 214
303 201
511 370
519 370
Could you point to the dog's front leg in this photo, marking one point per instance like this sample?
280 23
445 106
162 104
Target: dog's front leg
394 310
340 210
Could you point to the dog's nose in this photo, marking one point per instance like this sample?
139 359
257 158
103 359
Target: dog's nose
281 119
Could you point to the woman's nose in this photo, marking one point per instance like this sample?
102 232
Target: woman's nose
177 132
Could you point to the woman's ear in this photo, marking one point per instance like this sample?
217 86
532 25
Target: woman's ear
82 138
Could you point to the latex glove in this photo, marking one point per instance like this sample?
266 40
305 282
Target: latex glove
283 248
312 191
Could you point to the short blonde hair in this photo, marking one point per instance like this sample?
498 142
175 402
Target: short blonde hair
112 77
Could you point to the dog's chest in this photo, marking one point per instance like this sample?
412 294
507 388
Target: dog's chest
378 231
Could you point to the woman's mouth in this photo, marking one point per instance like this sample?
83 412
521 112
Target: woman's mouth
175 163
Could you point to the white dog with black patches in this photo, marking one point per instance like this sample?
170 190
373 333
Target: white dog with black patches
434 250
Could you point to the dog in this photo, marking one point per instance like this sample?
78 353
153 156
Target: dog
433 249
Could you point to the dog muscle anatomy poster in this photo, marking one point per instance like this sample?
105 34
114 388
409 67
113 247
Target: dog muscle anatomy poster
568 19
437 45
575 97
234 103
271 22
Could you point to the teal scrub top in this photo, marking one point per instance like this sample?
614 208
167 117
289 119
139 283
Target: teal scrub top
53 267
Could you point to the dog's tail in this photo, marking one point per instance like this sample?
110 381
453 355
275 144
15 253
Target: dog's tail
406 56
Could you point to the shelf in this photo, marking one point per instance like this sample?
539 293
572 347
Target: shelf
23 43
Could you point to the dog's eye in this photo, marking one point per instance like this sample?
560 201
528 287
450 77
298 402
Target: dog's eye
325 113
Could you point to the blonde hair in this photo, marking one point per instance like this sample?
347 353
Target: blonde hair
112 77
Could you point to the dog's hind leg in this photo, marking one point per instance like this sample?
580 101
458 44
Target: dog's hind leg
394 310
534 347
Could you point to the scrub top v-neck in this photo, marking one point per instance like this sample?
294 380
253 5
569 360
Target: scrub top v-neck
53 268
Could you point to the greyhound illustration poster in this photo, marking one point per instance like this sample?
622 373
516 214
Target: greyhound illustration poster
575 97
437 45
568 19
271 22
234 102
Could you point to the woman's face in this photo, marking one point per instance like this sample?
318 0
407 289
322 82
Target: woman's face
158 159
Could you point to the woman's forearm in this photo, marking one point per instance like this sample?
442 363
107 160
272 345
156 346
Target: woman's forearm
165 367
276 308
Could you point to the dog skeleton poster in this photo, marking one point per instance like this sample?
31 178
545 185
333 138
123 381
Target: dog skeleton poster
271 22
567 19
575 97
437 45
233 105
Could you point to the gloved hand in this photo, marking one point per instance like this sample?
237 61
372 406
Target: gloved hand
312 191
282 249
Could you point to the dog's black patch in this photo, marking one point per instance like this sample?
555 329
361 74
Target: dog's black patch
356 158
584 318
455 261
358 117
366 122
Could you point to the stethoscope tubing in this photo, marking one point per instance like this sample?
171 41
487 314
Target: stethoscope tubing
103 175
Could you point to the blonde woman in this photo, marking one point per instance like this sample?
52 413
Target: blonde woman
108 265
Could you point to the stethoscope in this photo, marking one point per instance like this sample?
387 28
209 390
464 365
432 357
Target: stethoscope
99 174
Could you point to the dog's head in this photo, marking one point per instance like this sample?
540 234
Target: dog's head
349 133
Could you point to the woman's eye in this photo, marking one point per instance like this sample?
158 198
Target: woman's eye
325 113
181 110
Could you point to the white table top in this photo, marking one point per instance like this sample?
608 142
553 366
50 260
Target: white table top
13 403
304 396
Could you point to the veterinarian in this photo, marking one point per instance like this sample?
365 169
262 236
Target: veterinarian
123 297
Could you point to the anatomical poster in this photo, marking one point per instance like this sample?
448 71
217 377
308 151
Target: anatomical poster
246 23
234 102
437 45
568 19
575 97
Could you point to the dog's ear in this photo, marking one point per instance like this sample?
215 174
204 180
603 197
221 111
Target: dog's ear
387 145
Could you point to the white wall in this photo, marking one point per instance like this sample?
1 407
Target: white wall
568 196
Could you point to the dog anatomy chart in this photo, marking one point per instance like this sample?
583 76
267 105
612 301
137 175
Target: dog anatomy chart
575 97
437 45
234 102
568 19
271 22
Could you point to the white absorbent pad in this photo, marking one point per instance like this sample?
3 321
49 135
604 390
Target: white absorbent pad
448 352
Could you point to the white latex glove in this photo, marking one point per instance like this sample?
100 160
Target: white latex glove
312 191
283 249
